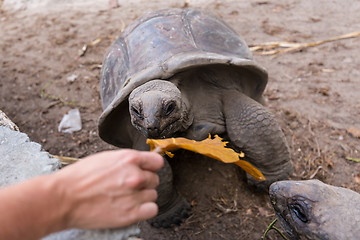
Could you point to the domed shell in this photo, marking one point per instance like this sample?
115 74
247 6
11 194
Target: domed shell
159 45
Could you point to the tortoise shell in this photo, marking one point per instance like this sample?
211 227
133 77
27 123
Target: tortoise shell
159 45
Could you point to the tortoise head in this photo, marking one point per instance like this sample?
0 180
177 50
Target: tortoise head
158 109
313 210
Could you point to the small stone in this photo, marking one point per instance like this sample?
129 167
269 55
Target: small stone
72 78
71 122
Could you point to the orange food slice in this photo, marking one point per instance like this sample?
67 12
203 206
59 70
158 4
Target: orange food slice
214 148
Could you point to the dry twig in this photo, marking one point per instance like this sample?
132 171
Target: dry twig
66 160
271 48
96 41
93 43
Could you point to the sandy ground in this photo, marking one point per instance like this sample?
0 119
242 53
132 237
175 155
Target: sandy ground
314 94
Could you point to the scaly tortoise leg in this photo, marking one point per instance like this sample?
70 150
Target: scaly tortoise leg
173 207
253 129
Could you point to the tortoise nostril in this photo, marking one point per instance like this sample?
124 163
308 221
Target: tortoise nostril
153 132
152 128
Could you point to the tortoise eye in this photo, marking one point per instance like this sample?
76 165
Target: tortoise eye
169 108
299 212
136 112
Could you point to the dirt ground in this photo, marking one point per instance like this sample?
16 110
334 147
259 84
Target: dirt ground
314 94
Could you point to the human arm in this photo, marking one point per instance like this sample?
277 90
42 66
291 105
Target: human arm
105 190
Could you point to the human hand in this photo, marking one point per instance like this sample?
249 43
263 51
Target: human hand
109 189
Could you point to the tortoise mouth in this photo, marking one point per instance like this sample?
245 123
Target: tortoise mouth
280 213
169 130
153 134
286 226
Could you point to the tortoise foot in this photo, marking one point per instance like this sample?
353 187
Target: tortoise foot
172 214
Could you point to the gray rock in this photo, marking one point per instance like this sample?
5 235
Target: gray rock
22 159
5 121
107 234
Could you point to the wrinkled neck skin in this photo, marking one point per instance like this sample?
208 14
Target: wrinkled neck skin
159 110
317 211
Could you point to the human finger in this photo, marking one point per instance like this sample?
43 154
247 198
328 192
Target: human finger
147 210
147 195
150 161
142 206
142 179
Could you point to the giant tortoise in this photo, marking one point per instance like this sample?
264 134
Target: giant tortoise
185 72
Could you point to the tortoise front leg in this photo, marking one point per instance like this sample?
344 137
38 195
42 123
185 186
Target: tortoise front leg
253 129
173 207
